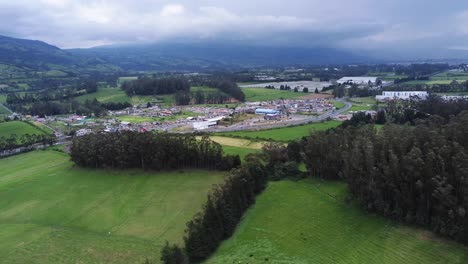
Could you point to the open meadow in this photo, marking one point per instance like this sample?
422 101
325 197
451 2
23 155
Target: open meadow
262 94
282 134
441 78
19 128
309 222
242 152
106 95
54 212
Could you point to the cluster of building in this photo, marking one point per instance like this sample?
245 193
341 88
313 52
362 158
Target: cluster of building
363 80
401 95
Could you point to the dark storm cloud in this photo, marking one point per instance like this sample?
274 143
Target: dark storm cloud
358 24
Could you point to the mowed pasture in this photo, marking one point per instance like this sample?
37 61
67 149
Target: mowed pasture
117 95
262 94
106 95
19 128
238 142
54 212
242 152
309 222
285 134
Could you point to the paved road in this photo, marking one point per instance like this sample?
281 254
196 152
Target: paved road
314 119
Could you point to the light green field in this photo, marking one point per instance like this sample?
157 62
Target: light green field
238 142
106 95
283 134
242 152
136 119
431 82
355 108
19 128
365 100
451 76
124 79
262 94
56 73
387 76
338 104
2 98
54 212
203 89
309 222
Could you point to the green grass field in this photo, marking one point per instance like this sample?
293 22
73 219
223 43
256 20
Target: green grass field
338 104
283 134
242 152
54 212
19 128
309 222
386 76
106 95
262 94
431 82
450 76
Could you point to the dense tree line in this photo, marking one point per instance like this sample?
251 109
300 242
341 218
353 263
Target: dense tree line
48 108
415 174
200 97
14 141
227 86
422 69
149 150
402 112
222 212
116 106
155 86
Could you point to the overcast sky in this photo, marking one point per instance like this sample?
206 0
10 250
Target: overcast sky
394 25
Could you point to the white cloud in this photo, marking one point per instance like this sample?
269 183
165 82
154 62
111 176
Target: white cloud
363 24
172 10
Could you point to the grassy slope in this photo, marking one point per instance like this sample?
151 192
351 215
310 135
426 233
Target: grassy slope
242 152
308 222
52 212
106 95
284 134
238 142
17 127
262 94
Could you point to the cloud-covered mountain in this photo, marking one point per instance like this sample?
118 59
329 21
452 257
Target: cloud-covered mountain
168 56
178 56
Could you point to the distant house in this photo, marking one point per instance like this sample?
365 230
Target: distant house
204 125
401 95
358 80
265 111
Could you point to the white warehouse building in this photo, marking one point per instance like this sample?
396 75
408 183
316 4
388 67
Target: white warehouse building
358 80
401 95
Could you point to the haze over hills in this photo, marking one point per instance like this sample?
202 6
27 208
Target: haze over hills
165 56
38 55
213 55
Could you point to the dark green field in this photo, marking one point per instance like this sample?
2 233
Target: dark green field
309 222
53 212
